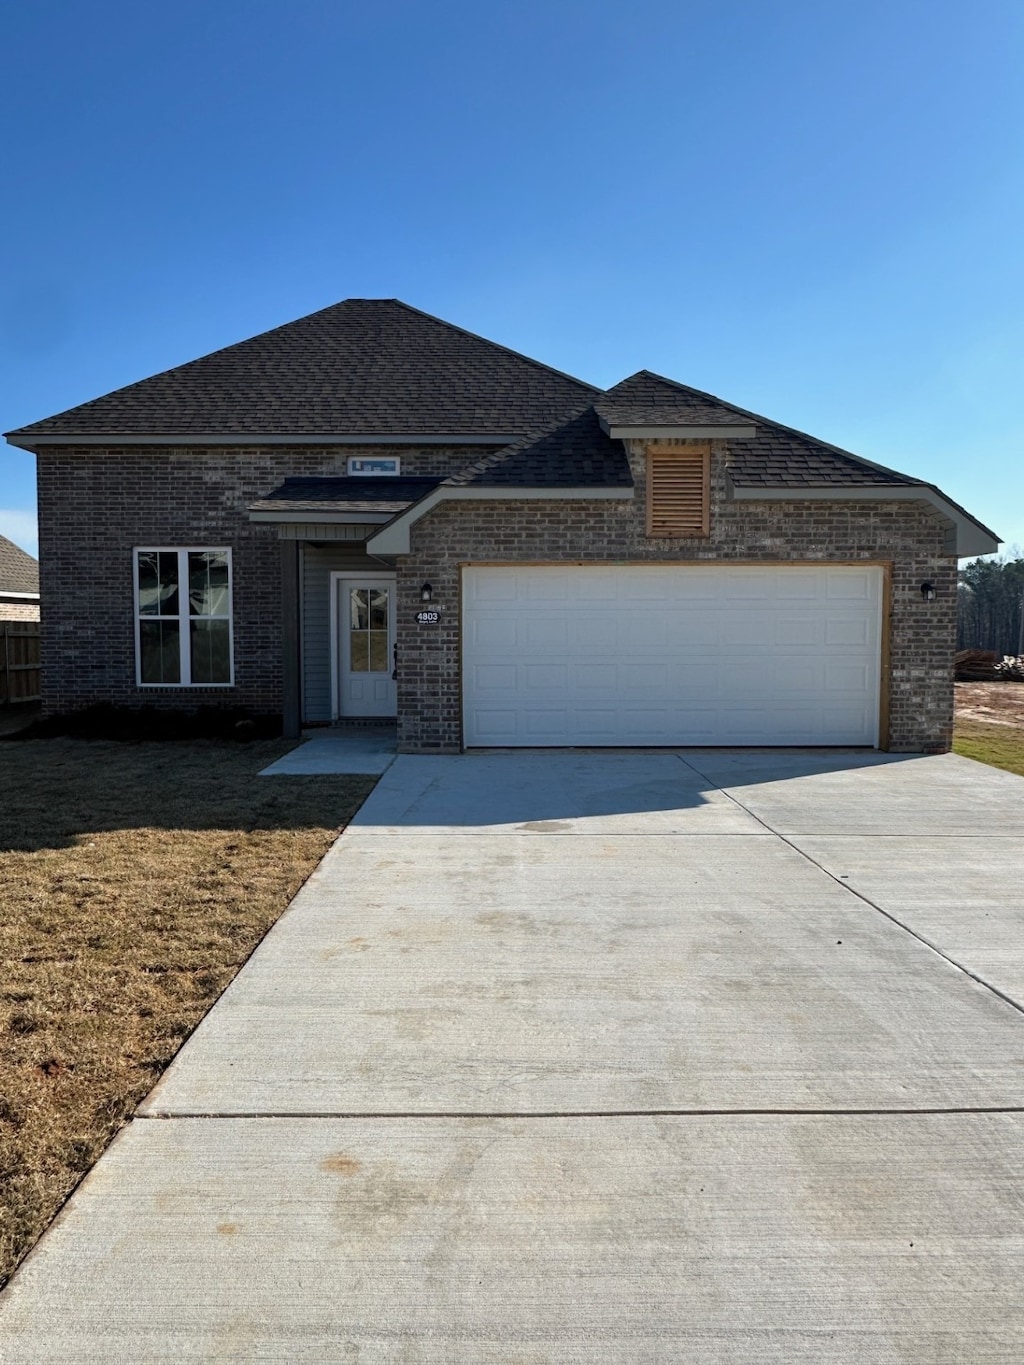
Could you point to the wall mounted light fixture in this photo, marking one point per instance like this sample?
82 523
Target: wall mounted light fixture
928 592
426 592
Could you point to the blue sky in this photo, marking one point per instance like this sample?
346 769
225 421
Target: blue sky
813 210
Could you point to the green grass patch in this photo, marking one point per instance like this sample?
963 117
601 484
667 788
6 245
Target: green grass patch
1001 746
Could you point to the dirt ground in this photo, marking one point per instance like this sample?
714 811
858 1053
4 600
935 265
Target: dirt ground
997 703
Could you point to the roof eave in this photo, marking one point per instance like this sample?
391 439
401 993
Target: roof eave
969 537
28 440
327 517
735 431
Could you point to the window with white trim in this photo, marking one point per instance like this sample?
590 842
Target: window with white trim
183 618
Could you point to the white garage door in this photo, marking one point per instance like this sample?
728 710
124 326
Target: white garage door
671 655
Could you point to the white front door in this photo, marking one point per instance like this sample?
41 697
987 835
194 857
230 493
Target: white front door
366 647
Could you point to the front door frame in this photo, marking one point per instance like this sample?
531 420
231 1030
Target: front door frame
338 578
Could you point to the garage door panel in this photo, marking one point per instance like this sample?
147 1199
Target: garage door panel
643 633
639 679
497 678
847 630
595 634
546 723
596 677
800 678
746 629
596 588
596 725
851 584
708 654
746 585
852 678
846 721
800 585
643 587
693 681
497 725
544 679
796 631
542 587
689 630
494 633
544 632
491 588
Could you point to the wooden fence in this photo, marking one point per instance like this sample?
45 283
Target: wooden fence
19 661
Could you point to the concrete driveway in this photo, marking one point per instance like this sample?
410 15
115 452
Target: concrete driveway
634 1057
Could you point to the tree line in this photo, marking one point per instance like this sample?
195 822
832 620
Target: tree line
990 606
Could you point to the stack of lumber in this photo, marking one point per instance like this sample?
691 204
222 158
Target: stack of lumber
975 665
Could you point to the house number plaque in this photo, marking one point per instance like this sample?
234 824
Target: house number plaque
427 618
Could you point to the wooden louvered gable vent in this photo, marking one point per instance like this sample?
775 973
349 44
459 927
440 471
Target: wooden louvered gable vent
679 491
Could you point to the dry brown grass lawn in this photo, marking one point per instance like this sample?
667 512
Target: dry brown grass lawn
135 880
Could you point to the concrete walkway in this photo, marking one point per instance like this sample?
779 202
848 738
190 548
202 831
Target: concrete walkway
635 1057
366 750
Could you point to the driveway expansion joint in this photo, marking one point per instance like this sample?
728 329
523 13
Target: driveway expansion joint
839 881
513 1115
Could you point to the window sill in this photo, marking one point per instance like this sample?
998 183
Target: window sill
183 687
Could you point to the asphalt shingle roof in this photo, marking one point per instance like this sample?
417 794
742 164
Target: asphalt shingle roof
19 572
574 454
647 398
378 368
364 367
346 494
777 456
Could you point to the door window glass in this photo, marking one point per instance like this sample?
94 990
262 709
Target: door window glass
368 630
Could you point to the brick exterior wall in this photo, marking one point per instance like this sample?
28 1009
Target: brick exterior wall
908 536
96 506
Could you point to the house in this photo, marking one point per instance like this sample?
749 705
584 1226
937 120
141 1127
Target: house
19 583
372 513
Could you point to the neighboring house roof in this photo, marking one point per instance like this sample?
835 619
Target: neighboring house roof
19 572
364 367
